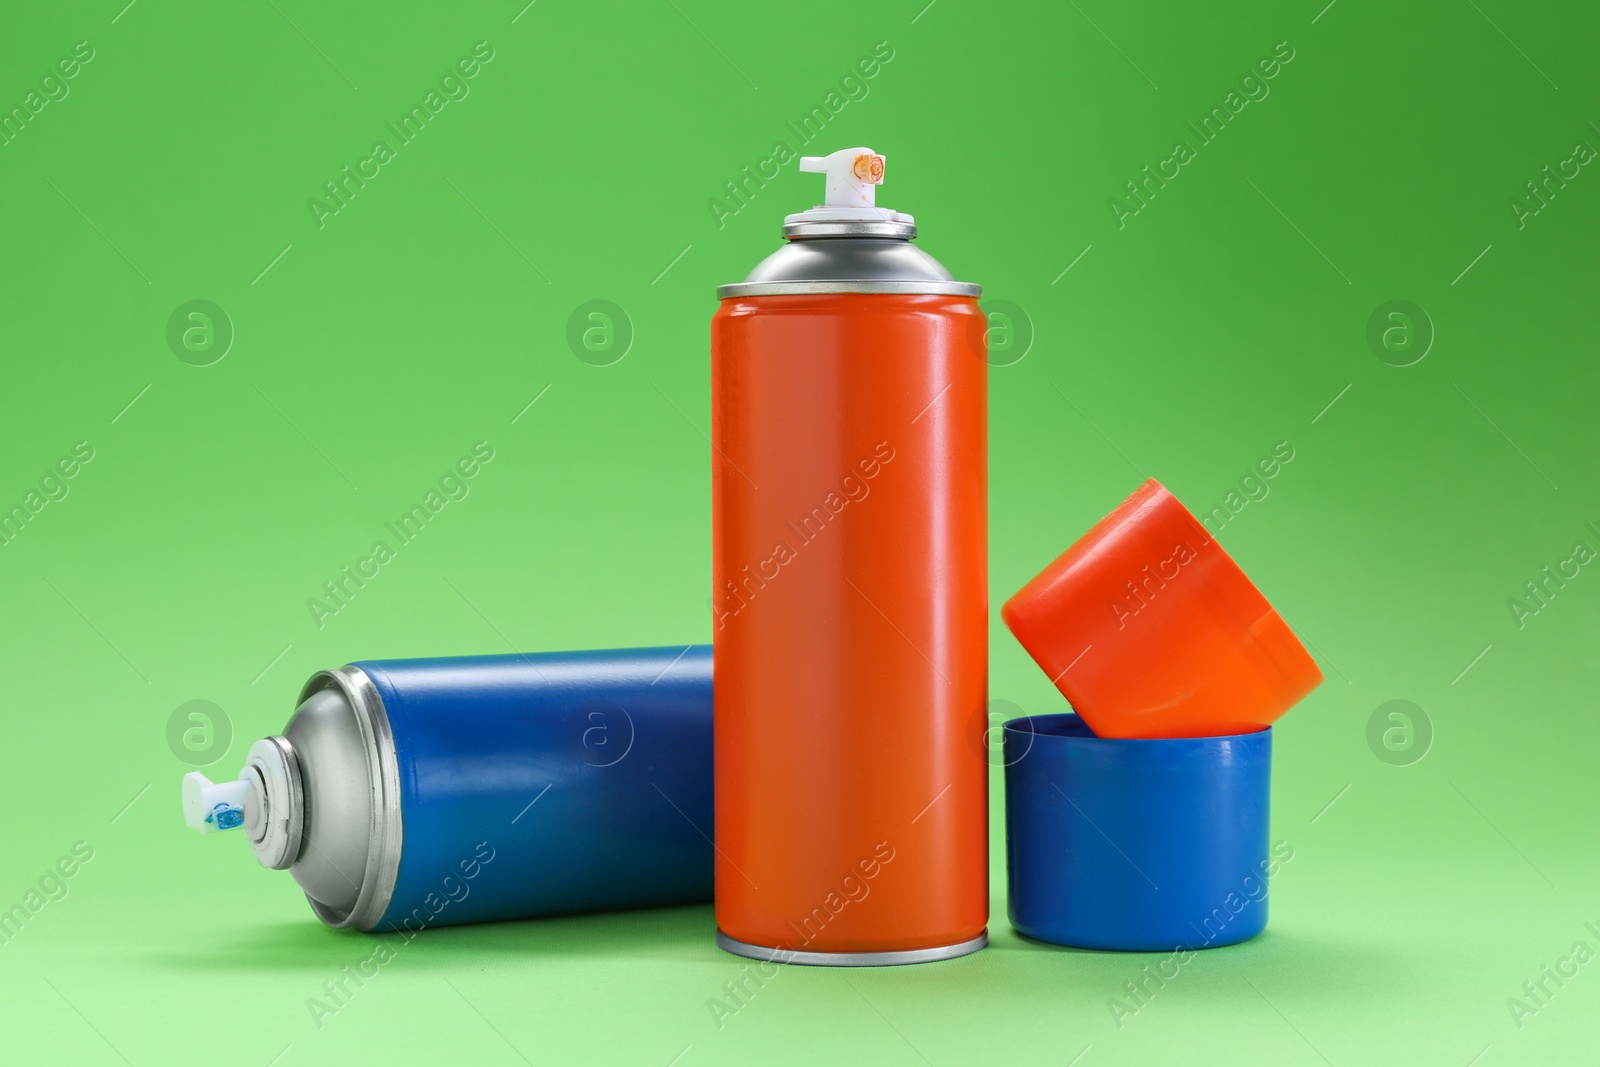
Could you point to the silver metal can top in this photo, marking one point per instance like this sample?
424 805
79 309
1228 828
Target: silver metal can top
902 228
351 856
848 264
321 800
848 245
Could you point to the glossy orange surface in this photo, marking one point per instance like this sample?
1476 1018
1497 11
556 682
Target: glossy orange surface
850 620
1151 630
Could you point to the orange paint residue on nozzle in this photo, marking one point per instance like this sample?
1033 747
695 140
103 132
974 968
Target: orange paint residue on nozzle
869 168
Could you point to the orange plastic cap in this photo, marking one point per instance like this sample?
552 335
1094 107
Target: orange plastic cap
1149 629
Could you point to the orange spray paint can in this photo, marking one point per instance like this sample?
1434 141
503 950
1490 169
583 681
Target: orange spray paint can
850 607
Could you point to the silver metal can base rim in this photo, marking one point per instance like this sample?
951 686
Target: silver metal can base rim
851 959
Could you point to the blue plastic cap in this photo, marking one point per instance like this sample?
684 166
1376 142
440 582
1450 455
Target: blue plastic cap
1146 845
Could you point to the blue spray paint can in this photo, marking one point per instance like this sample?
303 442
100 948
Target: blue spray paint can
405 794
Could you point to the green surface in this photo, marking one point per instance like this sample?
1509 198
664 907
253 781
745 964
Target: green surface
371 351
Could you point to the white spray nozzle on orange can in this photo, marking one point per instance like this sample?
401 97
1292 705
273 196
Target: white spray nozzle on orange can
853 175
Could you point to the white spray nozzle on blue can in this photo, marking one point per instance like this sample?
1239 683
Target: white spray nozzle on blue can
211 806
267 800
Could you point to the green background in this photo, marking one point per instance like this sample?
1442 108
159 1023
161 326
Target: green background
370 353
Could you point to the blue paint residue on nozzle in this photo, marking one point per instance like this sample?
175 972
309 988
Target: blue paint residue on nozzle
226 816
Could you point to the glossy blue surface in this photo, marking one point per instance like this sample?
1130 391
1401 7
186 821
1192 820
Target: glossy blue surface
549 783
1136 844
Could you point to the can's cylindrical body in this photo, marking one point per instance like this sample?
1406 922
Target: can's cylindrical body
440 791
850 615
